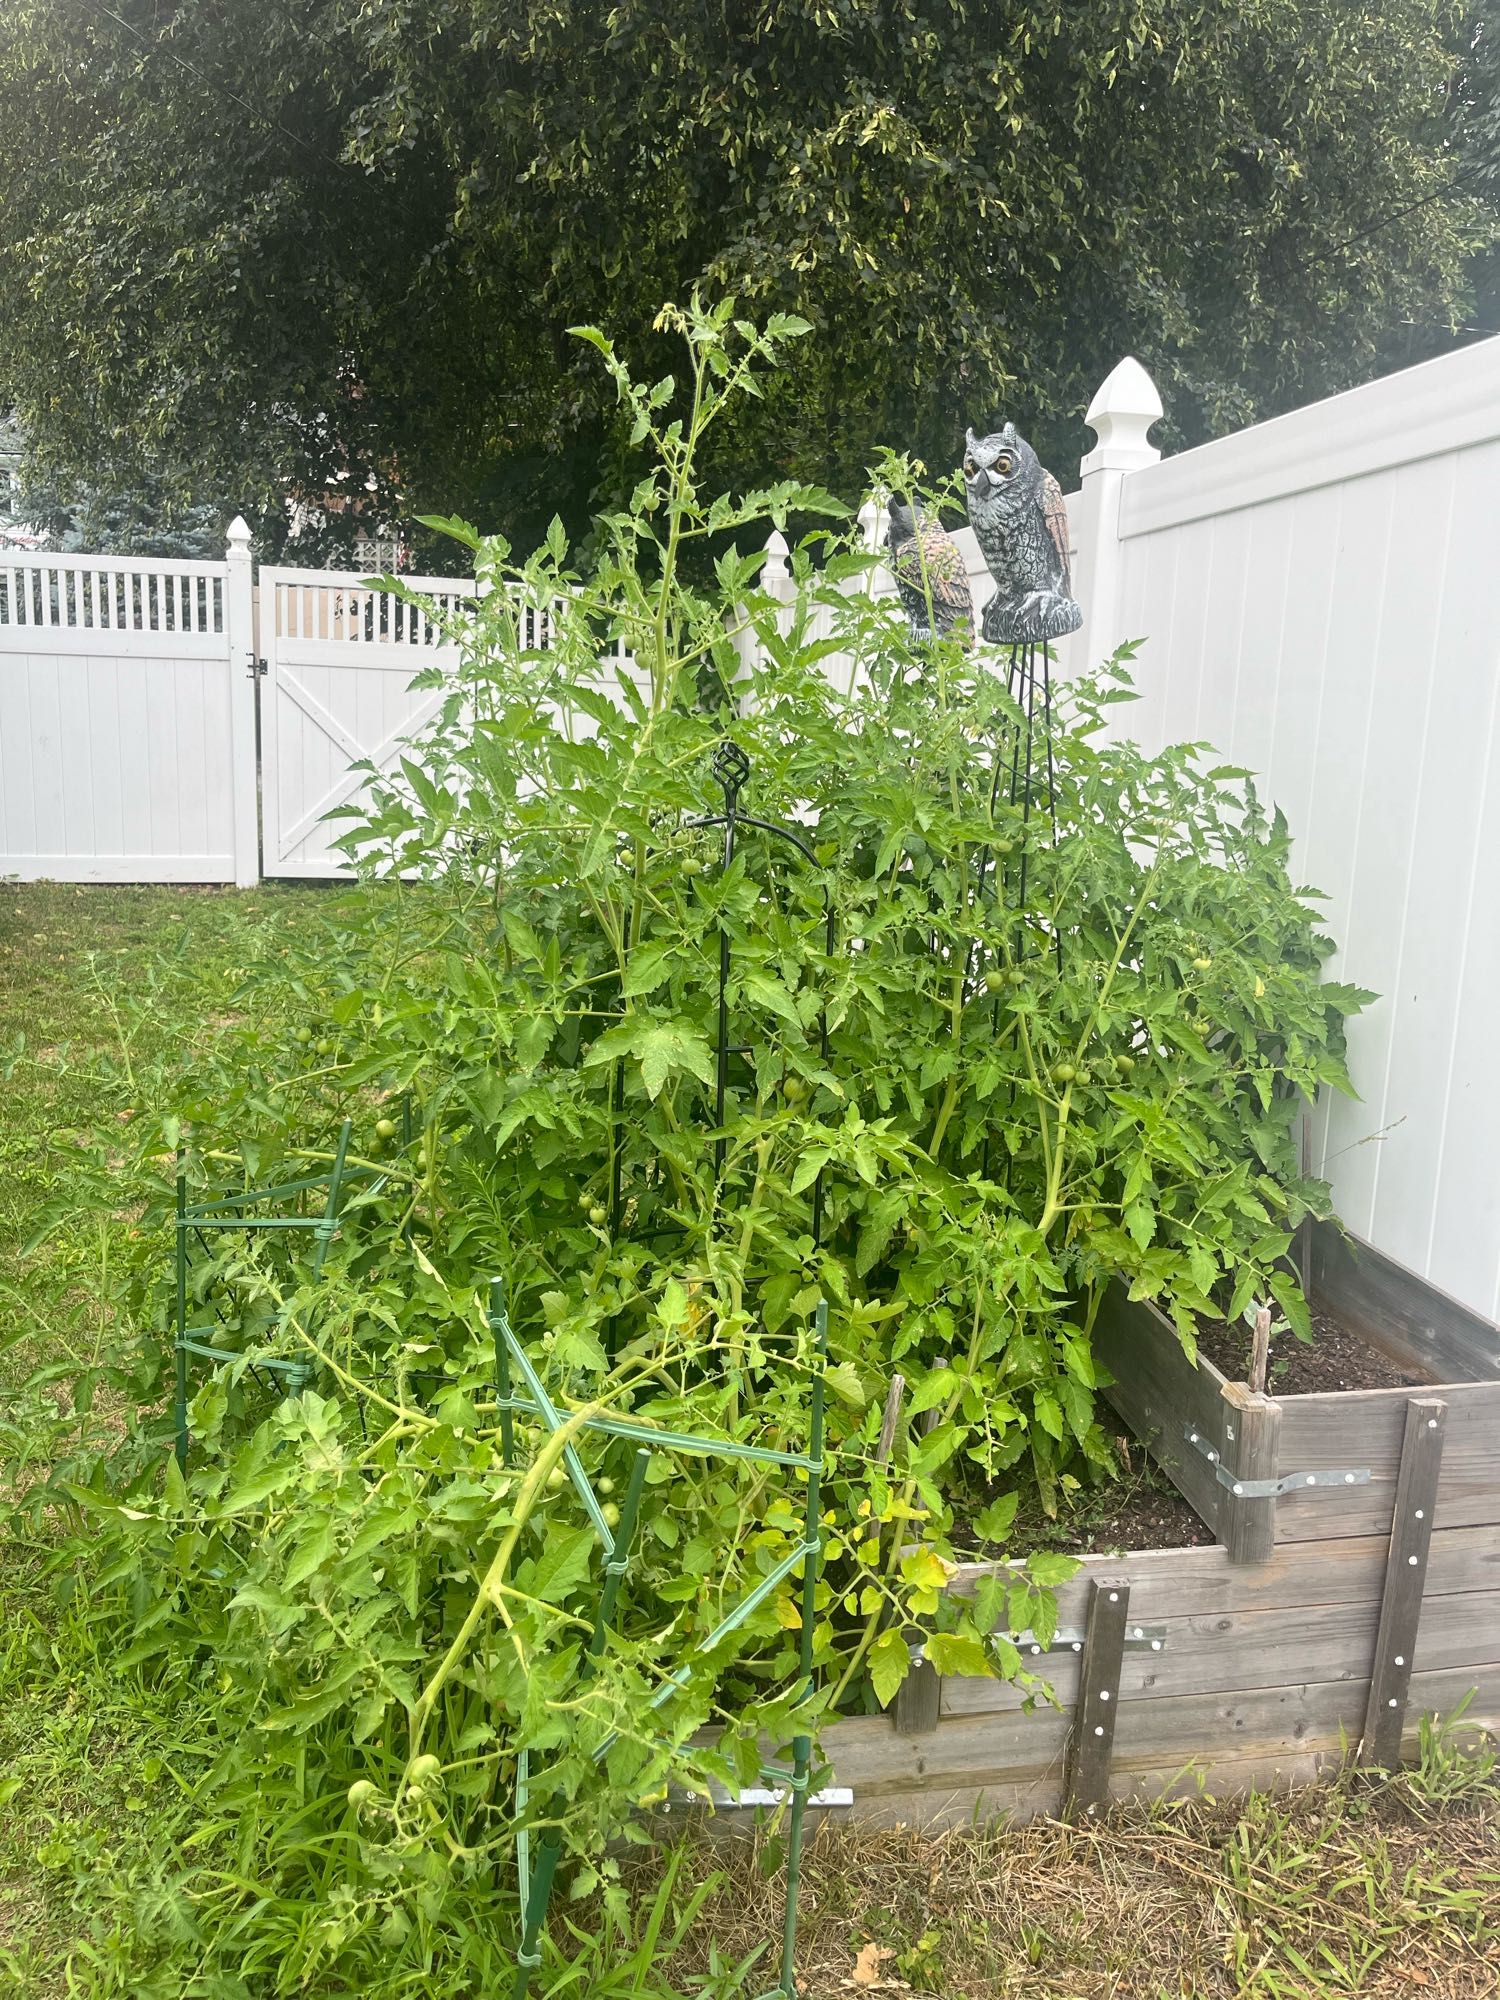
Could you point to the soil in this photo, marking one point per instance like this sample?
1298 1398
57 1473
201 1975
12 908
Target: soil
1141 1509
1335 1358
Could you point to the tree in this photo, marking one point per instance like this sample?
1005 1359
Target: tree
283 247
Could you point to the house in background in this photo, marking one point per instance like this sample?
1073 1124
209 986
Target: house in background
14 533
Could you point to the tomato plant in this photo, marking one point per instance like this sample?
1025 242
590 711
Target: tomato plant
957 1126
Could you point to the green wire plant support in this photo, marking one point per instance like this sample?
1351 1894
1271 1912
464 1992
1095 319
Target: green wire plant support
535 1875
229 1211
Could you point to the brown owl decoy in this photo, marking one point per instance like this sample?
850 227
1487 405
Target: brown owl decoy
931 578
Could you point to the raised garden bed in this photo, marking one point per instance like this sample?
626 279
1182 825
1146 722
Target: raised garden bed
1332 1613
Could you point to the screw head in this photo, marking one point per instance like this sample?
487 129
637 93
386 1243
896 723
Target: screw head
1348 1478
1419 1515
1411 1562
1098 1728
1213 1458
1392 1702
1312 1479
1237 1487
1400 1659
1432 1423
1104 1694
1077 1646
1156 1645
1114 1597
1036 1649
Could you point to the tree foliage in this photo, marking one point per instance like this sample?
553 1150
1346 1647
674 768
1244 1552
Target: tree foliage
270 246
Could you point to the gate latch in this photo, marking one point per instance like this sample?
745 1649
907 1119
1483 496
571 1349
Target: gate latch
256 670
1269 1489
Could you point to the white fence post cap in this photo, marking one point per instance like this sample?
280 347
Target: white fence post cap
237 535
776 554
1124 408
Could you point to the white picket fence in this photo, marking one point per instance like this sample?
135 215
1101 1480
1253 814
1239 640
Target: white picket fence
1318 596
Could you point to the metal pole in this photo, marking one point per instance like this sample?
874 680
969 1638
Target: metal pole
502 1370
812 1533
179 1401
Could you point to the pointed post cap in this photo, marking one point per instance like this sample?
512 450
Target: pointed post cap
1122 412
776 555
869 521
237 535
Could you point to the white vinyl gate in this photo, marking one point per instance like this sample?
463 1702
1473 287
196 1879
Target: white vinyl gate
339 662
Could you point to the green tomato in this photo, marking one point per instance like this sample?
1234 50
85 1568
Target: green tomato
611 1514
385 1128
1005 847
606 1486
795 1088
1203 964
1124 1064
361 1794
425 1770
303 1035
325 1047
598 1215
691 865
1016 976
1064 1073
557 1479
995 980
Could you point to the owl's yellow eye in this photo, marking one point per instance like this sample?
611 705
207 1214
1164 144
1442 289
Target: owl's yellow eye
970 467
1004 464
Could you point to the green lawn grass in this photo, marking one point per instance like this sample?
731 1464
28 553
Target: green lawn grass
1384 1892
94 1771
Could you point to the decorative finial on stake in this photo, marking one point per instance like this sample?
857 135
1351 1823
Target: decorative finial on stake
731 767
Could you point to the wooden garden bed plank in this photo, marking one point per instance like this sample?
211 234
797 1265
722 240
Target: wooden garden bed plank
971 1751
1157 1389
1401 1314
1221 1652
970 1754
1365 1428
1350 1569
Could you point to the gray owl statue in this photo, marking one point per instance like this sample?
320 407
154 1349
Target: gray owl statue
930 575
1021 524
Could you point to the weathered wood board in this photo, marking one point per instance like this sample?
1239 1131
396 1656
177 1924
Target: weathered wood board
1157 1390
985 1764
1199 1582
1401 1314
1220 1651
1162 1396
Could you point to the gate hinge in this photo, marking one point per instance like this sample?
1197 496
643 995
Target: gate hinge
256 670
1269 1489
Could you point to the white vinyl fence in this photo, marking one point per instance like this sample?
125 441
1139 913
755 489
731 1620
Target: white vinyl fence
1319 598
127 719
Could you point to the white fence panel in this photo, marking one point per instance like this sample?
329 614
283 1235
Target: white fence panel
126 743
340 660
1319 598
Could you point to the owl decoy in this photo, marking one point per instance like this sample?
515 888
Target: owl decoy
931 578
1019 519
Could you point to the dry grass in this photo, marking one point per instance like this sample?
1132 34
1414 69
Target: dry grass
1377 1890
